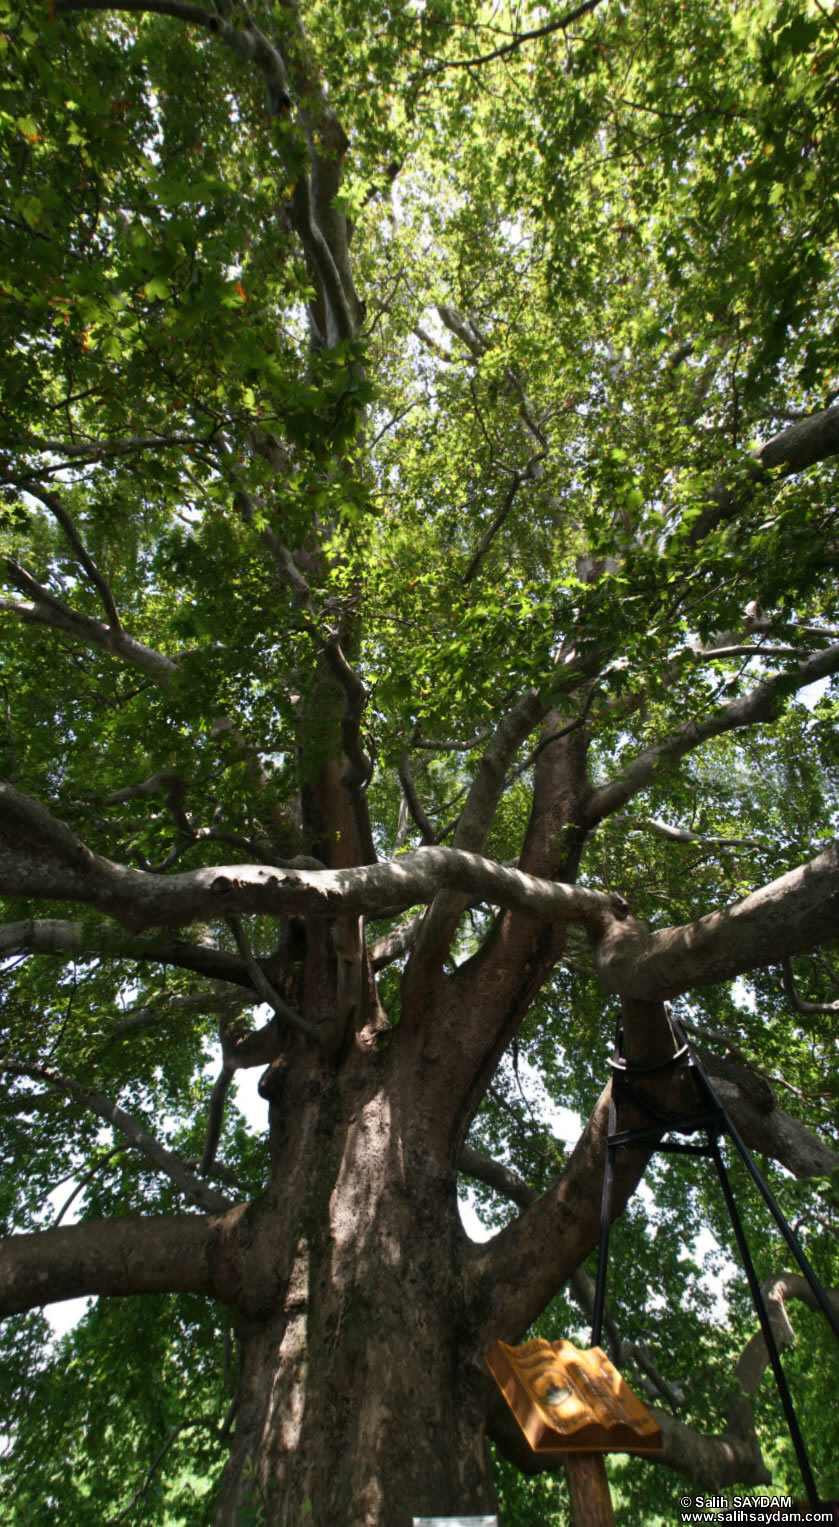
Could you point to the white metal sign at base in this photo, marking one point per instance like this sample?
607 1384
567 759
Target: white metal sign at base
455 1521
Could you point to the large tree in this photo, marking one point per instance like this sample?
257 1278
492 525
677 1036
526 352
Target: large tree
418 438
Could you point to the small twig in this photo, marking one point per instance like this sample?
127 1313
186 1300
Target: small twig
115 1150
60 513
219 1432
165 1161
67 1014
486 540
521 37
798 1003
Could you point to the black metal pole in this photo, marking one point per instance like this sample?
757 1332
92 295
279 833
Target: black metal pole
819 1292
605 1222
606 1205
765 1326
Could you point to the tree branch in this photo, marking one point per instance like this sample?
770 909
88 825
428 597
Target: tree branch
87 1177
764 1125
754 1359
560 25
797 1002
263 986
474 824
495 1175
805 443
177 1171
683 835
788 916
127 1255
399 941
413 802
180 9
215 1117
205 1424
57 936
75 450
452 747
47 610
321 228
175 786
359 770
489 535
43 858
735 1455
761 704
56 507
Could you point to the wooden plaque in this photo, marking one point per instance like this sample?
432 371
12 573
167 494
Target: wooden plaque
567 1401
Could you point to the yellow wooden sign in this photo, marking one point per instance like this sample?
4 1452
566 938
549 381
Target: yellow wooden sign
566 1400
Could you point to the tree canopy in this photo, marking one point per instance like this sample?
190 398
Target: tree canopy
419 617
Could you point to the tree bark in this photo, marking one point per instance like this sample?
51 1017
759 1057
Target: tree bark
356 1389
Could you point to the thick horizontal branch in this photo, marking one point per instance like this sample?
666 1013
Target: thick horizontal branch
790 915
41 857
149 1255
126 446
452 747
728 1458
793 450
60 937
177 8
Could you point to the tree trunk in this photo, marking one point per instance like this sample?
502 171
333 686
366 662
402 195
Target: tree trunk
358 1403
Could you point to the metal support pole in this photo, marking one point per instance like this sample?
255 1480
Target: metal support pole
819 1292
605 1222
766 1327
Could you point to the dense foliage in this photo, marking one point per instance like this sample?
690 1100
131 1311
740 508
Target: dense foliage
597 265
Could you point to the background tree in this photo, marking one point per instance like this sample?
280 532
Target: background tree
419 441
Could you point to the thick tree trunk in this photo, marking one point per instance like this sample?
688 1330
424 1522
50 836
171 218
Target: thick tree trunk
356 1391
